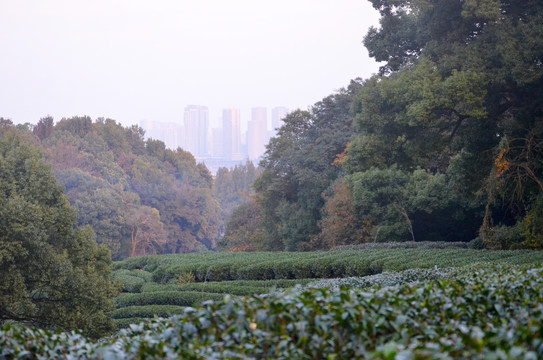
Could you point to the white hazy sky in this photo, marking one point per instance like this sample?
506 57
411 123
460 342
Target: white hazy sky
131 60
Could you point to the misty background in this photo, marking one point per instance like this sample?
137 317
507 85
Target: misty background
140 60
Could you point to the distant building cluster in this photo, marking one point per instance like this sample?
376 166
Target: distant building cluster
216 147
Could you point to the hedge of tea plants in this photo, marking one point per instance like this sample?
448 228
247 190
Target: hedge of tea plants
187 280
236 287
483 312
207 267
148 311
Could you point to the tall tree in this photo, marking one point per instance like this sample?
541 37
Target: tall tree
44 128
147 235
297 168
52 274
458 95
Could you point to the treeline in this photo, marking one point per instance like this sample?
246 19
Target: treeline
445 143
138 197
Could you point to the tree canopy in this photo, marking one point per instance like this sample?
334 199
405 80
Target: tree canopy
445 143
114 178
53 274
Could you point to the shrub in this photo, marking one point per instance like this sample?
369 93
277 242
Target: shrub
273 266
124 323
482 312
185 278
147 311
131 284
405 245
179 298
237 287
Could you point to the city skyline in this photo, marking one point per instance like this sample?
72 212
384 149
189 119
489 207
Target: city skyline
226 145
133 61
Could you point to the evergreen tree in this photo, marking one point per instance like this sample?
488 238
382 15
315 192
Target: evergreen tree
52 273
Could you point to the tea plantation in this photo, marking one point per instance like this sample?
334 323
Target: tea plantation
381 304
163 284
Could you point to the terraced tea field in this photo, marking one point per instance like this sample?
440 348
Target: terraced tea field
164 285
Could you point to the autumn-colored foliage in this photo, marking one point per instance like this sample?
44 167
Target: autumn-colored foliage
341 225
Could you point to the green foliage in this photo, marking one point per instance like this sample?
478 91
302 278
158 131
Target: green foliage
111 173
406 245
53 274
235 287
460 100
298 167
131 284
446 144
232 187
481 312
531 225
185 278
210 267
147 311
244 229
179 298
416 206
385 279
99 205
126 322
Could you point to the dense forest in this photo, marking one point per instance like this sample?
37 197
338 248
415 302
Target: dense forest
445 143
137 196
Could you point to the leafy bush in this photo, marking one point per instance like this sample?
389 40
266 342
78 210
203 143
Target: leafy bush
185 278
124 323
132 280
147 311
238 287
210 267
131 284
482 312
384 279
179 298
405 245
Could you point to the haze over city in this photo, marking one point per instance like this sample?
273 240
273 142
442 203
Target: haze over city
144 63
139 60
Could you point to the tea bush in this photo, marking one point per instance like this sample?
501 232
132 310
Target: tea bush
210 267
384 279
236 287
179 298
406 245
131 284
147 311
482 312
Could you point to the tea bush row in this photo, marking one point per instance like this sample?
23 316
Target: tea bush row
126 322
178 298
239 287
147 311
269 266
131 284
408 245
132 280
486 312
384 279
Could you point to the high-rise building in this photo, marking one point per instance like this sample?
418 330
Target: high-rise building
217 147
231 134
277 115
257 133
196 121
